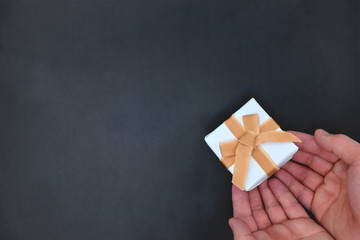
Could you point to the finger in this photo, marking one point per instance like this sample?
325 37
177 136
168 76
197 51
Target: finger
257 208
309 144
315 162
241 206
291 206
342 146
300 192
306 176
240 229
272 205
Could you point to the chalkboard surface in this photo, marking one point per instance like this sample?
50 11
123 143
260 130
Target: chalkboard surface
105 104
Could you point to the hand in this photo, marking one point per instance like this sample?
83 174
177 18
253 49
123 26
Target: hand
330 184
270 211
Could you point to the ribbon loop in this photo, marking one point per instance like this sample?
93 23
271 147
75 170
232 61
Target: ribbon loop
235 126
228 148
247 144
251 122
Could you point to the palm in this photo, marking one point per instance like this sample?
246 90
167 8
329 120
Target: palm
271 212
329 187
326 182
293 229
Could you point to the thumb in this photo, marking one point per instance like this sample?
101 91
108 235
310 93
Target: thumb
342 146
240 229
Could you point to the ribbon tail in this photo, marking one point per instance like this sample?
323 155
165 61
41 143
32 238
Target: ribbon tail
264 161
276 136
241 169
268 125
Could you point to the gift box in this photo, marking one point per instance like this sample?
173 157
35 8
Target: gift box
251 145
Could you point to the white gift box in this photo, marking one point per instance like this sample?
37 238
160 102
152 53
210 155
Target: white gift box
280 152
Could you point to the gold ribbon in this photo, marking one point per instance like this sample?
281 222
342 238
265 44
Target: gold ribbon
249 137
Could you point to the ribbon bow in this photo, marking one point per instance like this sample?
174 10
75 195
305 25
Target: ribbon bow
249 137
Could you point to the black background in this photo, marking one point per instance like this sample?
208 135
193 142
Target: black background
105 103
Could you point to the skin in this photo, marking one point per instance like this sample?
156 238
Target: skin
329 187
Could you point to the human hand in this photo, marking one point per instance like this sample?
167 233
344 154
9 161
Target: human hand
270 211
330 186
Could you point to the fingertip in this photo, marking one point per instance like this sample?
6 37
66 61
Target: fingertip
239 228
339 146
235 189
238 194
280 172
231 222
321 132
276 185
264 184
273 181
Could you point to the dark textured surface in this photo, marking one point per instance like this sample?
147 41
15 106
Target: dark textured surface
105 103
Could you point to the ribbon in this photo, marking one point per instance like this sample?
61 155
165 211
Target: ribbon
247 144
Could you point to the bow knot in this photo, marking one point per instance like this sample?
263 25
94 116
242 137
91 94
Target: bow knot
248 139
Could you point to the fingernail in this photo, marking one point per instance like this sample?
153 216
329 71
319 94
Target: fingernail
323 132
